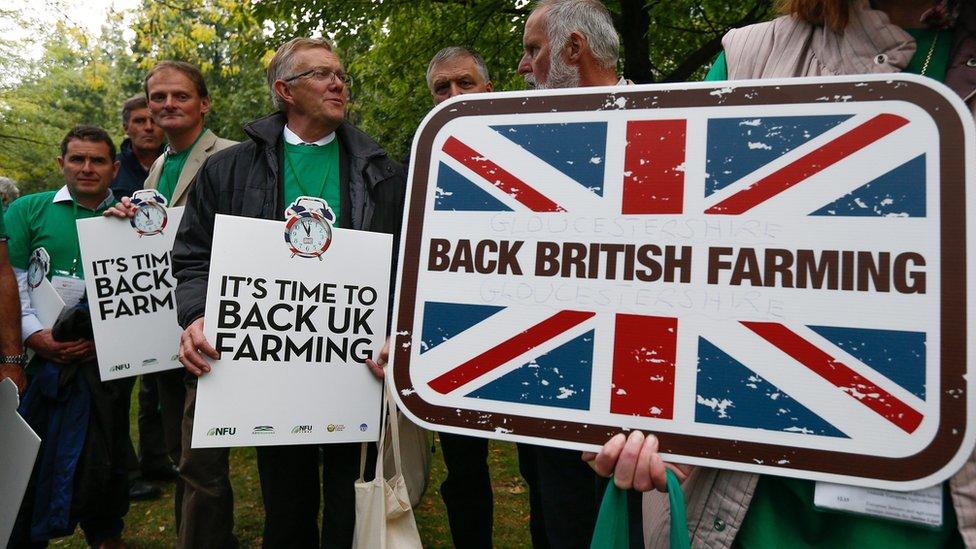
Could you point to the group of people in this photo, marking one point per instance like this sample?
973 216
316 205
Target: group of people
307 148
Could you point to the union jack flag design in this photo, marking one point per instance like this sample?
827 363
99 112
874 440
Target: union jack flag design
825 380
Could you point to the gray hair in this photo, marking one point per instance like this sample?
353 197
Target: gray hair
281 64
588 17
8 190
453 52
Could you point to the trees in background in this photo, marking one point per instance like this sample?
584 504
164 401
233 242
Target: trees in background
385 44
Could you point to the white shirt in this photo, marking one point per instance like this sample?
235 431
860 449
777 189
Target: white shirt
292 138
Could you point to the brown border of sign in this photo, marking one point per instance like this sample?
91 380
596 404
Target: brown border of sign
953 426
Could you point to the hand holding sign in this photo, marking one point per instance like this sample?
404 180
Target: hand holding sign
376 366
635 463
194 348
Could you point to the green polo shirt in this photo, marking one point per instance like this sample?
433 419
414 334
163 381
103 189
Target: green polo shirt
782 513
36 220
312 170
172 168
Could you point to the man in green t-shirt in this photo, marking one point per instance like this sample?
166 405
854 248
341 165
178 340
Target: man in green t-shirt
92 412
47 220
11 352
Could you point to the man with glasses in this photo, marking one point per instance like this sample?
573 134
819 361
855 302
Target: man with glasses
304 149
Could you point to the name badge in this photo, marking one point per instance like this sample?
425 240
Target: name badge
922 507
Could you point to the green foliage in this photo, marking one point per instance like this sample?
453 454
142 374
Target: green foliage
385 45
219 37
74 82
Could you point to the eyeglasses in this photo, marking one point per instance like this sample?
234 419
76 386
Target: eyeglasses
322 75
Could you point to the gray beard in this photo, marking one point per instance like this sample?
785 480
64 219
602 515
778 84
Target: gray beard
561 75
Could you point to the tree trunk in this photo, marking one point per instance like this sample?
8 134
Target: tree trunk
634 23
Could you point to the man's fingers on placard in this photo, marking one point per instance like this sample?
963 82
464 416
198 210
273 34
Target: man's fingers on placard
606 459
385 353
200 343
375 369
659 474
187 355
642 474
623 473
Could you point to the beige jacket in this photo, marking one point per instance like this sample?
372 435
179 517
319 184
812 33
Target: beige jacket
717 500
208 144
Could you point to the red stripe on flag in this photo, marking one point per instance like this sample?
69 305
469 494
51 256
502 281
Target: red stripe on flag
864 390
808 165
497 176
508 350
644 348
654 180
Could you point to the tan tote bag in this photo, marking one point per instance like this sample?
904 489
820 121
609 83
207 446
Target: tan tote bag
384 516
415 455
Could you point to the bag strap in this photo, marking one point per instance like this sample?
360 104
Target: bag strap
379 444
679 522
394 420
612 530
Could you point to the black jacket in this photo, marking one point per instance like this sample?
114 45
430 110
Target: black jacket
246 180
131 176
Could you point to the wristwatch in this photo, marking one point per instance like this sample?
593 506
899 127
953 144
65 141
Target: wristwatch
19 360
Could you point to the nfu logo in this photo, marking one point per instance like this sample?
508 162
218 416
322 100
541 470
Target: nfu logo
221 431
301 429
119 367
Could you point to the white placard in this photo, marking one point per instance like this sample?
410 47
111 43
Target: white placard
47 302
18 449
130 285
276 383
919 507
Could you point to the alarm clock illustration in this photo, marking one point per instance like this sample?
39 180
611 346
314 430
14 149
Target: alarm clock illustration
150 218
37 267
308 230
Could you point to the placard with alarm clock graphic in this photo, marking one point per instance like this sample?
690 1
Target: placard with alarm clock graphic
294 307
130 286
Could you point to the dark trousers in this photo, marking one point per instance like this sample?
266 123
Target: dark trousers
205 506
154 452
290 490
467 492
563 496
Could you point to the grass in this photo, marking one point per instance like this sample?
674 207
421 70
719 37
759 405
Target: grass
150 524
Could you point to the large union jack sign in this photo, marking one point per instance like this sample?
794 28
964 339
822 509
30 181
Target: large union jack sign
770 276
